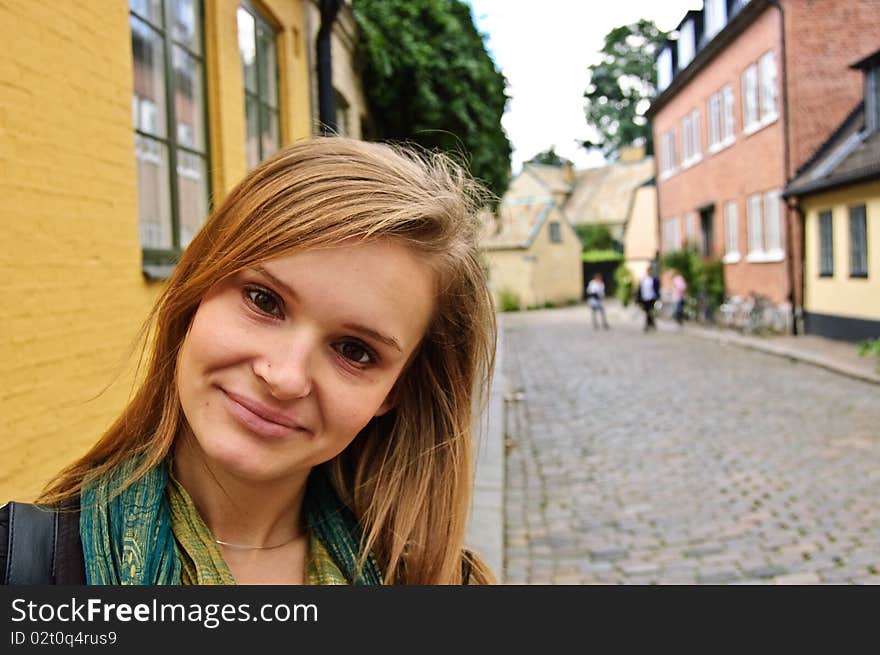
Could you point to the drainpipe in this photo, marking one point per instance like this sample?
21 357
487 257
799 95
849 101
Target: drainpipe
796 309
326 100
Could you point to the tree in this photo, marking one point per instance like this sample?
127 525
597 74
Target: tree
428 79
621 86
549 157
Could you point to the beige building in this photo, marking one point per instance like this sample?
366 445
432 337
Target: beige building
533 254
641 241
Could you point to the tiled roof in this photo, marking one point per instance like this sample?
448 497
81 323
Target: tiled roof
604 195
516 225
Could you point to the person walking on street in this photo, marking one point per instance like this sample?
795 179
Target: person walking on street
679 287
649 291
595 297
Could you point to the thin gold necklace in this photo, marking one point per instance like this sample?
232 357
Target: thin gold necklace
245 547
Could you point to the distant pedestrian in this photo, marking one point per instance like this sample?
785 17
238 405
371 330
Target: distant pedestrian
679 288
649 292
596 297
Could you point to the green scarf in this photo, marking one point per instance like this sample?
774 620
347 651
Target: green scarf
151 534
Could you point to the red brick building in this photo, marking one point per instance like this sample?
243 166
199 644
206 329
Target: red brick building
747 91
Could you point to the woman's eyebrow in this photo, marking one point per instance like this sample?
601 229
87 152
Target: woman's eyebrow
355 327
378 336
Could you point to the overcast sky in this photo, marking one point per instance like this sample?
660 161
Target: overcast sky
544 48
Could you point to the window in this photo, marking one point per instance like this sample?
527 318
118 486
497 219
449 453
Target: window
731 231
555 233
720 117
765 227
872 99
858 242
690 139
727 124
714 121
826 244
750 98
256 43
671 234
664 68
715 17
767 67
170 133
686 44
667 154
690 229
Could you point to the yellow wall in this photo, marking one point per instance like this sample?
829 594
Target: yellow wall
71 269
841 295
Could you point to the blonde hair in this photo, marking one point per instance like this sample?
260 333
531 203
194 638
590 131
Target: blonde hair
408 474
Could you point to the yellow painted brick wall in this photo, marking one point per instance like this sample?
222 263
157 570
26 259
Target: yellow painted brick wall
558 275
510 271
70 260
841 295
71 263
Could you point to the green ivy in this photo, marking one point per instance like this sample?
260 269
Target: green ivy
428 79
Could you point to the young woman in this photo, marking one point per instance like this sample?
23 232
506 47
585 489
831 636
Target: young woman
306 411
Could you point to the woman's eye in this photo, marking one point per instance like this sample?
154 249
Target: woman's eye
355 352
264 301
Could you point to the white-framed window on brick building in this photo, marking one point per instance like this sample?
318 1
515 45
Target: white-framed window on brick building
170 127
765 227
731 233
767 77
671 234
858 242
691 146
751 115
720 119
826 244
667 154
690 229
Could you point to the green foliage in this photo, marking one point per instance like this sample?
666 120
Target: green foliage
621 86
871 347
625 284
608 255
549 157
704 276
596 237
508 301
429 80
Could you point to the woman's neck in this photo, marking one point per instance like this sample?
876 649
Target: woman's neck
240 511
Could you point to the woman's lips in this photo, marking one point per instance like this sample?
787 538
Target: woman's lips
259 419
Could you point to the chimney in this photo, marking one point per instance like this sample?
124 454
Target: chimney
629 154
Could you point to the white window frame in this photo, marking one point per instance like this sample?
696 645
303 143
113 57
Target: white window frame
671 234
713 122
664 68
751 108
728 133
767 84
687 45
690 229
667 154
765 222
714 17
731 233
690 139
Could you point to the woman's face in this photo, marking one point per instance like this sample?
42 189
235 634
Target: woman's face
286 362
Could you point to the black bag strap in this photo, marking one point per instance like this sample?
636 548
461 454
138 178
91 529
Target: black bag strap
32 541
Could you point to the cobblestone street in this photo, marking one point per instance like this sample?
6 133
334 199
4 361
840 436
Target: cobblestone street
663 458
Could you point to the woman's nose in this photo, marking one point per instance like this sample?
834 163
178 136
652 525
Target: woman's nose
286 370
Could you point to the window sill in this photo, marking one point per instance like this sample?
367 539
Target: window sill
765 257
693 161
665 175
760 125
158 271
721 145
859 276
731 258
826 275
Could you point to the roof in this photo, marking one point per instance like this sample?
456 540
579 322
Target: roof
517 225
556 179
849 156
605 194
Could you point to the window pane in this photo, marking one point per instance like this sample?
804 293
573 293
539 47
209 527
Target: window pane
772 222
185 24
252 131
826 244
149 9
750 96
268 68
728 112
732 228
192 188
714 119
756 235
247 45
269 137
858 243
149 78
768 85
188 100
154 204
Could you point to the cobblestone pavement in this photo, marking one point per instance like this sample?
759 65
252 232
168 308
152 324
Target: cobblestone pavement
663 458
